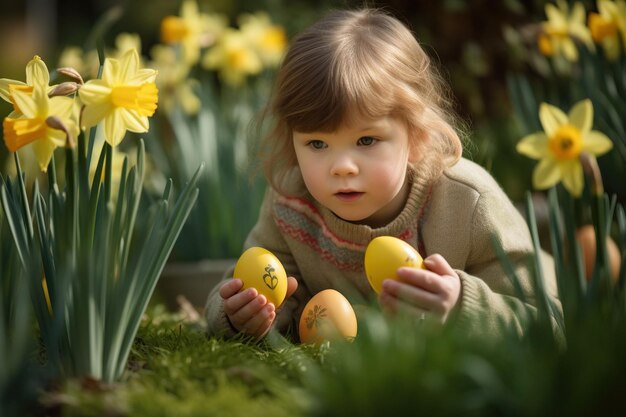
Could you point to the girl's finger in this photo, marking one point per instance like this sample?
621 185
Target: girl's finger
230 288
413 295
421 278
249 310
439 265
237 301
260 322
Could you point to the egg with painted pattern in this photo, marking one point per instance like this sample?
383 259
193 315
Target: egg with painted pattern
384 255
327 316
260 269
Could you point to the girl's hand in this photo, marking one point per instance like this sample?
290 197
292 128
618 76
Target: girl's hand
435 290
248 311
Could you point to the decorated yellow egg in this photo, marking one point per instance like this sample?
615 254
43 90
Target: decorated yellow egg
327 316
259 268
384 255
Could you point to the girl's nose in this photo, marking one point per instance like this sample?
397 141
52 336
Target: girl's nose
344 165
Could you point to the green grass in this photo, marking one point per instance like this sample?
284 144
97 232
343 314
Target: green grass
174 369
392 368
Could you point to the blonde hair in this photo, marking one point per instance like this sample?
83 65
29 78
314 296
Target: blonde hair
358 62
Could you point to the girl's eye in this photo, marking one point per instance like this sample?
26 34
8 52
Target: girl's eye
316 144
366 141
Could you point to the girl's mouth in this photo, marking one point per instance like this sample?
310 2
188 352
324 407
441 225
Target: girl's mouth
349 195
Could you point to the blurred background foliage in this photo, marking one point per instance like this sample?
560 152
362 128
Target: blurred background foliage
486 50
464 37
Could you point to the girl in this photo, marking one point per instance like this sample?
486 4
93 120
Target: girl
363 145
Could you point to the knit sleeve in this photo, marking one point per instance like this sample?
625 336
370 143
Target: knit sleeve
488 295
216 319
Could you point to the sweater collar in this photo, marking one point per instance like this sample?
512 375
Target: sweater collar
360 233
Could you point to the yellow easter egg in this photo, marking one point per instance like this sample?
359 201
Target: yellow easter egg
259 268
384 255
327 316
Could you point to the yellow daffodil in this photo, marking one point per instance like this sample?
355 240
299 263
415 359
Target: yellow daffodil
124 98
234 57
175 87
36 74
559 146
192 29
45 122
268 39
560 29
608 25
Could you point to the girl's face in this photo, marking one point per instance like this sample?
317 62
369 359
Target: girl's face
359 171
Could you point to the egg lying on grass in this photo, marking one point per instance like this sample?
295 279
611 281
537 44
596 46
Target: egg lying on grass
586 238
259 268
384 255
327 316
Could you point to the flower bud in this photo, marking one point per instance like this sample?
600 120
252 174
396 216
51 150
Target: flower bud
71 73
64 89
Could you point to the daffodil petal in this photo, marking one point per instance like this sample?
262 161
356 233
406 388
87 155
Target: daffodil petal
94 92
56 137
573 180
581 32
569 50
581 115
534 145
191 51
554 15
61 106
211 59
5 94
546 174
133 121
578 13
129 64
71 127
602 9
189 10
43 151
597 143
144 75
37 73
114 129
93 114
551 118
26 104
110 72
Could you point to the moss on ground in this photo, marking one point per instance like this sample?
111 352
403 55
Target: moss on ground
174 369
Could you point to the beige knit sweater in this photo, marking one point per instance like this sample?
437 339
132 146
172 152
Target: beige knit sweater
454 216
